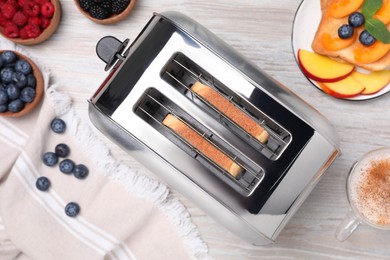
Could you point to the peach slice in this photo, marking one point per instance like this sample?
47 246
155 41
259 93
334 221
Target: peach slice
336 43
345 88
372 82
383 13
368 54
341 8
321 68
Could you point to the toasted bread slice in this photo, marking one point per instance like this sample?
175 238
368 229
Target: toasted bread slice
327 42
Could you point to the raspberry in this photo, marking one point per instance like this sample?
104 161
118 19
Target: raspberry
31 9
45 22
11 30
30 31
3 20
35 20
8 10
21 3
41 2
19 18
47 9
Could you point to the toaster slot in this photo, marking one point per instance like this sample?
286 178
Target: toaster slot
158 111
184 74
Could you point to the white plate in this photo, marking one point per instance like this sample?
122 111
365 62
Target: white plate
305 25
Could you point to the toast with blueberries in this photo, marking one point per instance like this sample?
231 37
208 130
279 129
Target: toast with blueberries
341 35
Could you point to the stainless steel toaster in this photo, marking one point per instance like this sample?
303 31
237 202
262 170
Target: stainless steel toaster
152 77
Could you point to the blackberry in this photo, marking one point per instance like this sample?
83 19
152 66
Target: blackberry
106 5
98 12
86 4
118 6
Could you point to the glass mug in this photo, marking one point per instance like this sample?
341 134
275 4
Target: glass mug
368 191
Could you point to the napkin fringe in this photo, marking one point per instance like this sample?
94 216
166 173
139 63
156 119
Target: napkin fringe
129 178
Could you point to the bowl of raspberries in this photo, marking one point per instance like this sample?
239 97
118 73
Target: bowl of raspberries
21 84
29 22
105 11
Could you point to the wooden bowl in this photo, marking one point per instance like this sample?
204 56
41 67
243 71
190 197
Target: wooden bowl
39 89
112 19
46 33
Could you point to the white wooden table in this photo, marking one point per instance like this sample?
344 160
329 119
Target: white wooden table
260 30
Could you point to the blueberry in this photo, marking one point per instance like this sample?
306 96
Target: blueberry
50 159
80 171
3 108
58 125
66 166
13 92
19 79
3 97
31 81
27 94
366 38
42 183
72 209
356 19
1 63
23 66
345 31
8 57
6 75
62 150
15 105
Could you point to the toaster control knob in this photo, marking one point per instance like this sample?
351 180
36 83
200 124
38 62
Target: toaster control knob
109 49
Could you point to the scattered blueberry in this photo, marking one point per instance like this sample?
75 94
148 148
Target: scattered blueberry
72 209
27 94
345 31
42 183
3 97
58 125
13 92
23 66
15 105
66 166
50 159
31 80
356 19
366 38
80 171
19 79
6 75
62 150
8 57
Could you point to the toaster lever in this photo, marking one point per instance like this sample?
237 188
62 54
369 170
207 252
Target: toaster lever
109 49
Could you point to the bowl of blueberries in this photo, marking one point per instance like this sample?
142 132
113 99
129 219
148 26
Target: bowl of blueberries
105 11
21 84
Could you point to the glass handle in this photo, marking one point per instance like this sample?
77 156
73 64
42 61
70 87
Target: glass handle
347 226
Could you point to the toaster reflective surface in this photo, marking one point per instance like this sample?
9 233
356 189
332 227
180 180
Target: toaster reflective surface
155 79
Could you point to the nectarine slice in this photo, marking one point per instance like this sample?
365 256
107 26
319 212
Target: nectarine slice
341 8
345 88
383 13
373 82
321 68
368 54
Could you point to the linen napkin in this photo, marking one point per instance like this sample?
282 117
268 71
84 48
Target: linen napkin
123 214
